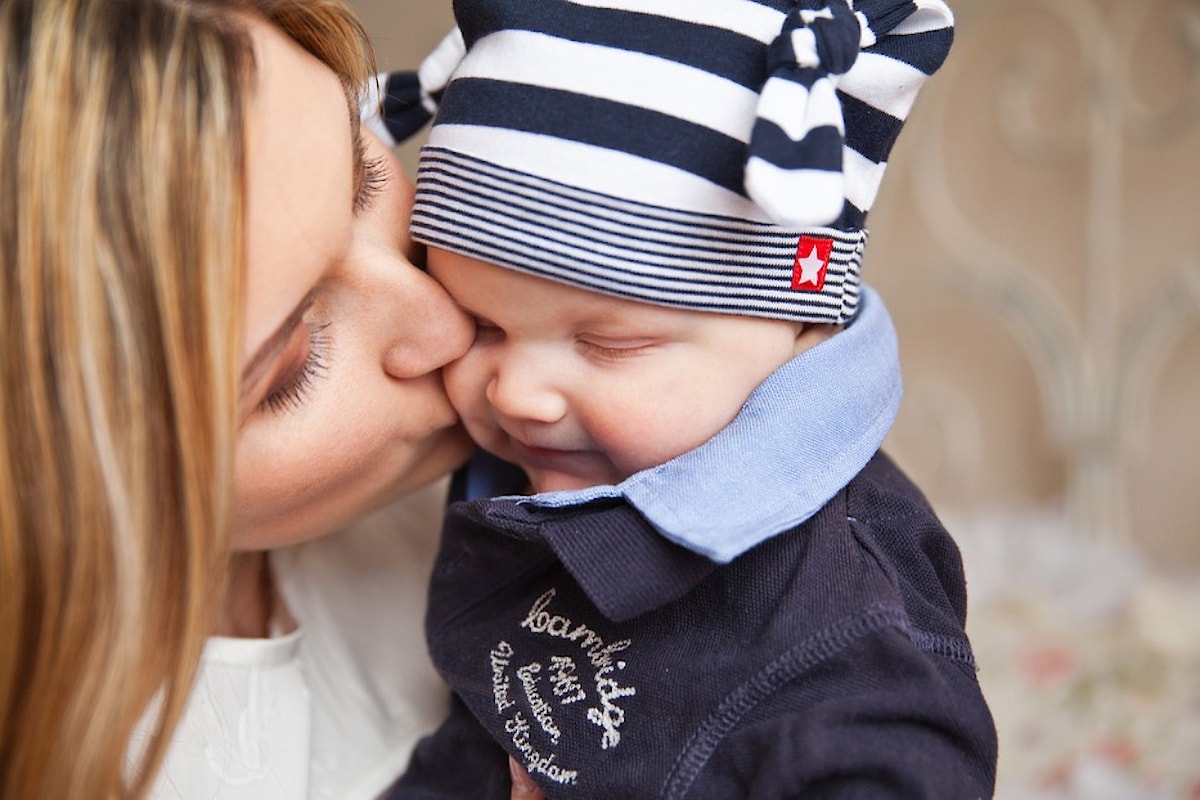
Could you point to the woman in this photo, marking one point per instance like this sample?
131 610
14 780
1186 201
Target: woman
212 339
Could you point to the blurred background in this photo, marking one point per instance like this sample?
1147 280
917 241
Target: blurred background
1037 240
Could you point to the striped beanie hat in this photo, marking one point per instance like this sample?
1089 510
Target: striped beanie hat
714 155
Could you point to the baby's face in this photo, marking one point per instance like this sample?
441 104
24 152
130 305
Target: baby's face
580 388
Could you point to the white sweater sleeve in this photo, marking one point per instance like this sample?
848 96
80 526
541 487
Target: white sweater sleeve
246 732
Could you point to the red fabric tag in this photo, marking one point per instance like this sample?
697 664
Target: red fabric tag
812 259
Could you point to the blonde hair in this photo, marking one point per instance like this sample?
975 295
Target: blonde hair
121 233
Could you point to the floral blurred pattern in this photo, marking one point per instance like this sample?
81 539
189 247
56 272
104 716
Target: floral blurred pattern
1090 660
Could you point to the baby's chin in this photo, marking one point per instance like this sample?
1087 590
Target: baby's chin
543 480
552 470
560 483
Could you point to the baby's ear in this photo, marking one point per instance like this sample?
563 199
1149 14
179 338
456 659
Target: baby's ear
811 334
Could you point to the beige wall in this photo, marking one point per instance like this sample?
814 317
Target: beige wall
1041 253
1038 242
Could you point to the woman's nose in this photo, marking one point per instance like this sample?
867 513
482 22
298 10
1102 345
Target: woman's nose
432 332
520 388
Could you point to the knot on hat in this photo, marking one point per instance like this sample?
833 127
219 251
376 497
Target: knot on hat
398 104
828 39
794 166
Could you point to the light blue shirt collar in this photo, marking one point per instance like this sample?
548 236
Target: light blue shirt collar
802 435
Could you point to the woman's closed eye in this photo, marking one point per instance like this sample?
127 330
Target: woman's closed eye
291 387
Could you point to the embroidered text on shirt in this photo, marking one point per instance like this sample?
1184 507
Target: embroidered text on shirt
558 691
609 716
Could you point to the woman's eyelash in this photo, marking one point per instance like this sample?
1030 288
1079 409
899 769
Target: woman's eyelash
374 179
294 391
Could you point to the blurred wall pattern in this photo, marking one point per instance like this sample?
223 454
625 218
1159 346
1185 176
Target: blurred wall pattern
1038 242
1040 250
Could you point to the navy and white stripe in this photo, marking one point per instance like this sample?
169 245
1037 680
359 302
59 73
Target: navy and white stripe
624 247
672 151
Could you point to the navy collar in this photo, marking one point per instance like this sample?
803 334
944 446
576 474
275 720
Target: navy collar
615 555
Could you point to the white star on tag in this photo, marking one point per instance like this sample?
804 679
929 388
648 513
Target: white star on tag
810 267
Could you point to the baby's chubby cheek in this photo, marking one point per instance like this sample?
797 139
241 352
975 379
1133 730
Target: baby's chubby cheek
637 437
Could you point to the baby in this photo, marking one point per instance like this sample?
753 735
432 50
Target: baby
683 567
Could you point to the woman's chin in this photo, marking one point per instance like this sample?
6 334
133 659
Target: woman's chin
287 518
